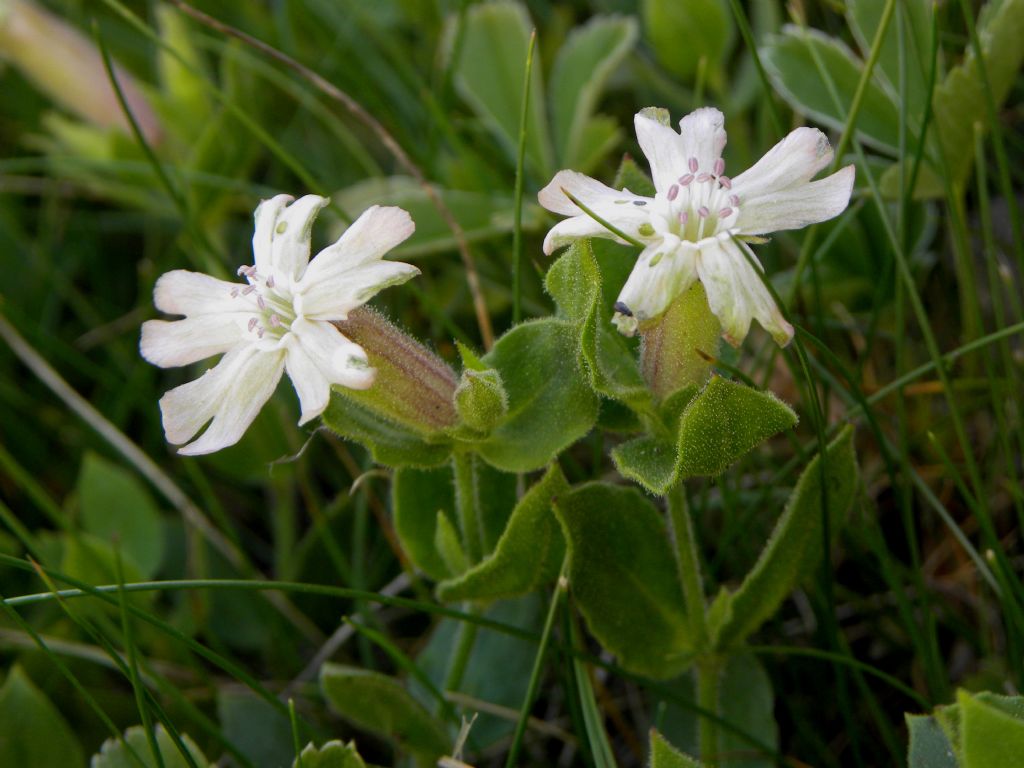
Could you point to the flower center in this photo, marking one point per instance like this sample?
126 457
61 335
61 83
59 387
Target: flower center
700 204
273 310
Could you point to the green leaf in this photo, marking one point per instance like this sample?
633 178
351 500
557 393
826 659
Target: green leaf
448 545
481 215
960 99
550 404
417 497
794 548
489 75
682 33
117 508
664 755
590 54
32 731
746 701
864 16
719 425
574 281
992 736
380 704
528 553
114 755
725 421
257 730
792 69
389 443
333 754
623 577
929 747
634 178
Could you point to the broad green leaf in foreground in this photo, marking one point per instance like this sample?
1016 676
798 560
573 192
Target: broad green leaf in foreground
718 426
683 33
113 753
550 404
664 755
929 746
32 731
794 547
417 497
380 704
333 754
528 553
992 731
623 577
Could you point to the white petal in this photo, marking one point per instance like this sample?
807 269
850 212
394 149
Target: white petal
662 272
703 135
374 233
263 233
182 342
664 150
736 292
334 299
310 384
289 247
181 292
339 360
794 160
798 205
591 192
232 394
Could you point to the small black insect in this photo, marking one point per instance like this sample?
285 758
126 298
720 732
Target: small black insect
622 309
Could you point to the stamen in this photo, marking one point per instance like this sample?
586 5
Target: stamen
735 200
725 213
252 323
260 302
684 216
275 320
719 167
639 202
693 165
260 331
701 178
703 212
673 192
242 270
270 282
234 293
725 181
685 180
248 289
622 309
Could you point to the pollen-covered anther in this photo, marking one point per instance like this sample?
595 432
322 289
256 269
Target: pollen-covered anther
252 324
703 177
275 320
703 212
686 180
673 192
725 213
270 281
693 164
684 217
248 289
735 200
260 302
719 167
234 293
725 182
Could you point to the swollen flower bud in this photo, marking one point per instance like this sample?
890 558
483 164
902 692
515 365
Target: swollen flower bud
670 355
413 387
66 66
480 400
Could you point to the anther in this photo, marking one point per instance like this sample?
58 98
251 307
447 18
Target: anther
252 324
725 182
259 331
734 199
275 320
684 216
248 289
234 293
686 180
693 165
242 270
639 202
725 213
622 309
703 212
719 167
270 282
702 177
673 192
260 302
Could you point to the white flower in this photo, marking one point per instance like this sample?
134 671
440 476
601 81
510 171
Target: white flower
689 227
278 320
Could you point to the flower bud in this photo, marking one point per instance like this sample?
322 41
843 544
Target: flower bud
66 66
413 387
669 357
480 400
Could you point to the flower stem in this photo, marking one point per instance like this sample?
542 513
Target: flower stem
709 670
466 506
684 542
